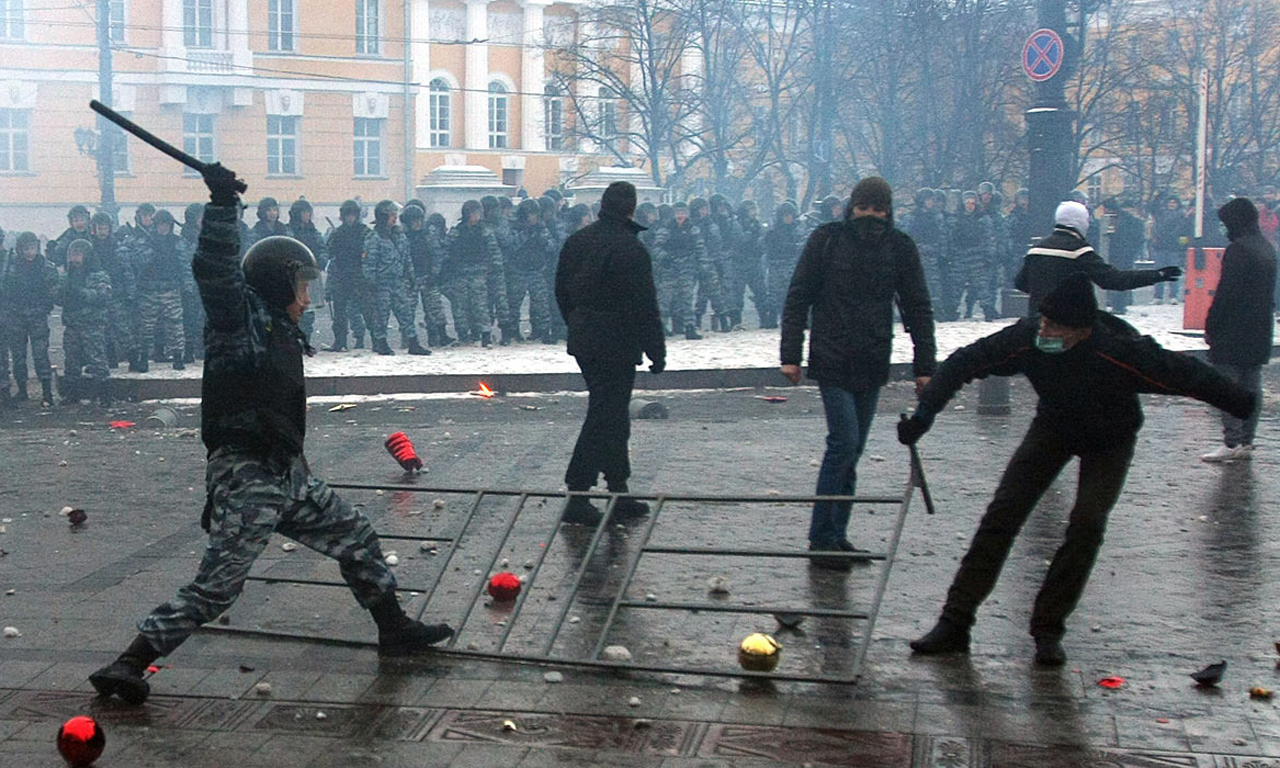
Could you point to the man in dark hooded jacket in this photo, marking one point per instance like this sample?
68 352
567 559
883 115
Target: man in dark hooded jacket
1241 322
848 279
1087 368
605 291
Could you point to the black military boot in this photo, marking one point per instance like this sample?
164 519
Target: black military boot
627 508
417 349
359 342
69 389
509 334
442 334
142 366
178 363
123 677
382 347
1049 651
21 396
691 332
486 339
399 635
945 637
580 511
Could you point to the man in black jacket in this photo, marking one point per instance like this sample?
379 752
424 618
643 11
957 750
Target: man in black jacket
1240 323
849 276
1066 252
253 419
604 287
1087 368
346 279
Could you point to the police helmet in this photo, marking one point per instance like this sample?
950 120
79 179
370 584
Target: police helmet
350 208
528 210
412 213
383 211
273 266
77 210
101 217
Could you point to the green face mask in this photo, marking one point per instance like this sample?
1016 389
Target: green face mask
1050 345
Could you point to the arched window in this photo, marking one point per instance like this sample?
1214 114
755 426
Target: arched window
497 115
440 107
608 114
553 116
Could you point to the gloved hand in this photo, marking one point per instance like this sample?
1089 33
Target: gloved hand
222 185
910 430
1169 274
658 366
1243 406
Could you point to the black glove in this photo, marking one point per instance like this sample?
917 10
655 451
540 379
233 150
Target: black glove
1169 274
1243 405
222 184
910 430
658 366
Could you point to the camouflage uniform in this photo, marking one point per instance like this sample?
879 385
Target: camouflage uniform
28 291
192 310
306 233
257 479
56 250
85 298
474 256
387 271
926 227
970 248
679 251
345 286
508 316
119 326
531 260
710 267
162 279
783 243
426 270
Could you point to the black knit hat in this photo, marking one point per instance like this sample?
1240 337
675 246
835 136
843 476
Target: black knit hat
619 199
1072 303
874 192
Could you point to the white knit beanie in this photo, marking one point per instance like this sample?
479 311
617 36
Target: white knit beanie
1072 214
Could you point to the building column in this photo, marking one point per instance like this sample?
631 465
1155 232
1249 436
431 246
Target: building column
533 75
420 51
476 80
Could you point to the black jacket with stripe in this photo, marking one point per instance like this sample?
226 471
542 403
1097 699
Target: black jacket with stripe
1088 394
1064 252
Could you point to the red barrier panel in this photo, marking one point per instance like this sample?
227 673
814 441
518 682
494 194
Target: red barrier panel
1204 269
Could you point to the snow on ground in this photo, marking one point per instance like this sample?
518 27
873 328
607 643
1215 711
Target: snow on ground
743 349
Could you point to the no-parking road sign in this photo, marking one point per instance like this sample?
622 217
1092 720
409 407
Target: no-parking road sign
1042 55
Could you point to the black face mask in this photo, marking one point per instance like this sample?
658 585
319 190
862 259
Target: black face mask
868 227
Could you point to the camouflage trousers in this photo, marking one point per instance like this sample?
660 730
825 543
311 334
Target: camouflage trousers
121 344
675 296
534 283
427 290
710 288
779 279
33 329
347 305
383 301
84 348
744 276
193 324
971 276
162 310
248 500
469 296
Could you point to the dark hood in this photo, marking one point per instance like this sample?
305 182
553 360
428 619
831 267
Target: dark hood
1240 217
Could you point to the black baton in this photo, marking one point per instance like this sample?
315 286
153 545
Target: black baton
917 469
155 141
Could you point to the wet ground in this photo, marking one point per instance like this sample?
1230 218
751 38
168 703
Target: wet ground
1188 576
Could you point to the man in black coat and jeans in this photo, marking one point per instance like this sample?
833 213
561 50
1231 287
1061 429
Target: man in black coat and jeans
1240 323
1087 368
848 277
604 287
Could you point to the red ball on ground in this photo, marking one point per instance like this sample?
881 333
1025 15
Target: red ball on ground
81 741
504 586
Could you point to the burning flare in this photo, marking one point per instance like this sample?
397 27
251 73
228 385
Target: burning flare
484 390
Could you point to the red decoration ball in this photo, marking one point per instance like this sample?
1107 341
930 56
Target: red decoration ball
81 741
504 586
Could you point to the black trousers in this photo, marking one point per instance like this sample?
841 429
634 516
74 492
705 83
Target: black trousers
602 443
1031 471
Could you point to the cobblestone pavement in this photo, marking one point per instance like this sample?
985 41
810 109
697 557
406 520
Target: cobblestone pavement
1188 576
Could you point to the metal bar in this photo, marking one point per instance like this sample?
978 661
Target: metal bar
919 481
632 566
606 495
493 561
577 579
453 549
857 557
533 576
717 608
317 583
541 660
414 538
883 580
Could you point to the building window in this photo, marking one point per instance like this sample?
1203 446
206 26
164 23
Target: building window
1093 189
116 26
197 23
497 115
367 26
553 116
11 19
608 114
197 138
439 106
282 145
280 25
15 127
368 146
119 151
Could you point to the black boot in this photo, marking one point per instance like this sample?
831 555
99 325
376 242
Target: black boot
1049 651
509 334
417 349
627 508
945 637
382 347
46 394
691 332
486 339
123 677
336 347
399 635
442 333
580 511
178 363
142 366
21 396
359 342
69 389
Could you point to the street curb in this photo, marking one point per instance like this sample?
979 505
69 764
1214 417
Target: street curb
319 386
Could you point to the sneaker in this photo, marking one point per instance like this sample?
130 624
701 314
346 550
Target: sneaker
1226 453
1049 652
411 637
580 511
119 678
945 637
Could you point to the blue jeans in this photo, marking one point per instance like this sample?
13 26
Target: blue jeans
849 417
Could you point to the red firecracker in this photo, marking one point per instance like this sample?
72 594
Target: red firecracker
80 741
401 449
504 586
